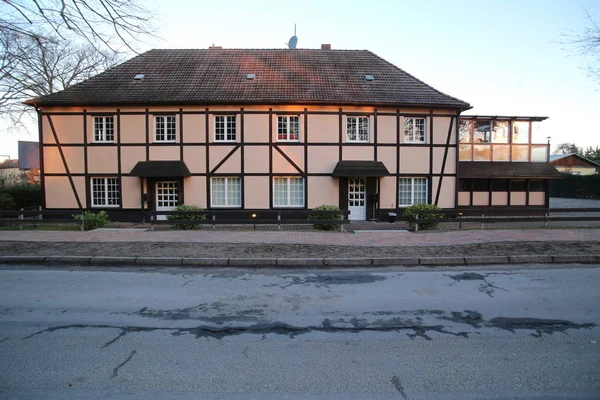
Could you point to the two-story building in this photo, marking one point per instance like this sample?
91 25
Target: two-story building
274 129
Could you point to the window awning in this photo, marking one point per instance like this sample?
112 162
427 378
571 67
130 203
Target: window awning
160 169
507 170
360 168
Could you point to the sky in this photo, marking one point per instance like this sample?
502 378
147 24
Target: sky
503 57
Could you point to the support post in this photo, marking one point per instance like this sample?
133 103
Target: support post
214 218
82 227
279 219
21 221
417 223
546 214
152 216
482 223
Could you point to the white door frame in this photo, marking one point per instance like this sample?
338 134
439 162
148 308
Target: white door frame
167 196
357 198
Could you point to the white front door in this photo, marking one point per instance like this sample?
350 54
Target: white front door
357 202
167 197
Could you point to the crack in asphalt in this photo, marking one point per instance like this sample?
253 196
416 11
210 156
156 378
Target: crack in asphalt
472 318
118 367
485 287
398 385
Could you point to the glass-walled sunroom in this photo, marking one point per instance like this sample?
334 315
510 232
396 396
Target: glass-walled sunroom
502 139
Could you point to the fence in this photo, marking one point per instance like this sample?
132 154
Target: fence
584 186
36 216
236 217
497 216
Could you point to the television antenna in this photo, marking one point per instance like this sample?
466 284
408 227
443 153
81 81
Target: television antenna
291 44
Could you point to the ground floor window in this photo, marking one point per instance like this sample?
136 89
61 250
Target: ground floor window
412 191
226 192
288 192
105 192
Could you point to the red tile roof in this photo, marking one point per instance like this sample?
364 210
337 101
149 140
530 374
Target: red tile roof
219 76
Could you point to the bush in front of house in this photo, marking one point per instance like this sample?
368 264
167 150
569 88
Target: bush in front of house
326 227
93 220
23 195
186 217
6 201
423 211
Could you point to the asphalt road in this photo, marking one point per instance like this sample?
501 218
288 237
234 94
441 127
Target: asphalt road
273 334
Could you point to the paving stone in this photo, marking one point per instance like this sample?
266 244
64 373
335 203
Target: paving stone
68 259
22 259
486 260
346 261
524 259
395 261
158 260
442 260
254 262
104 260
304 262
574 258
205 261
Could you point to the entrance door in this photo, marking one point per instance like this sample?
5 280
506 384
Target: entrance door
357 204
167 197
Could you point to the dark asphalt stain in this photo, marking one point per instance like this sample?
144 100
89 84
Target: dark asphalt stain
398 385
245 352
407 312
469 317
198 313
116 369
540 326
187 282
325 280
4 340
486 287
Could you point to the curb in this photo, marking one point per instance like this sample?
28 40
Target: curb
301 262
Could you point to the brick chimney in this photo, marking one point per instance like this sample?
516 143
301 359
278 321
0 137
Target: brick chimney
325 47
213 47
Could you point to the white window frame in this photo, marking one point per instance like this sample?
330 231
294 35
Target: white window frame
287 130
412 190
105 198
357 122
288 186
165 124
103 132
226 196
226 119
412 134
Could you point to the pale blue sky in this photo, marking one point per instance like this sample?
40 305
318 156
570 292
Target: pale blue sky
503 57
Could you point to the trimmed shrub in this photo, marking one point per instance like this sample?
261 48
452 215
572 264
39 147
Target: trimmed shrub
24 195
326 227
6 201
423 211
187 217
92 220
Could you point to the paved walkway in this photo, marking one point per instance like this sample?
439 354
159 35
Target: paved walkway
383 238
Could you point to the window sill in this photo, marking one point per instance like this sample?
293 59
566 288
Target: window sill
226 207
288 141
106 206
103 142
414 142
224 141
165 141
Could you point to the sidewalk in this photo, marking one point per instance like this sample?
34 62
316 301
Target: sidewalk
380 238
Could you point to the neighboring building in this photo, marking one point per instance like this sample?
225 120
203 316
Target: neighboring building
10 174
29 160
271 129
574 164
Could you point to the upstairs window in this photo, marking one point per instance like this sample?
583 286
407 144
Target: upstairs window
105 192
225 128
357 129
164 128
414 130
288 128
104 129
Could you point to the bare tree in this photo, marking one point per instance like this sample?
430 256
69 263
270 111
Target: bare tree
108 24
586 43
34 66
567 148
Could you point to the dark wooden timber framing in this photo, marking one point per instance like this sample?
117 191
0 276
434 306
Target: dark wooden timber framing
288 159
456 133
526 191
41 147
242 165
397 157
305 125
64 160
430 142
302 169
88 193
439 188
271 157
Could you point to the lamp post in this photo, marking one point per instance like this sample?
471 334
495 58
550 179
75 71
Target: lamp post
548 150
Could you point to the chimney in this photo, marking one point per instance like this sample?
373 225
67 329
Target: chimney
325 47
213 47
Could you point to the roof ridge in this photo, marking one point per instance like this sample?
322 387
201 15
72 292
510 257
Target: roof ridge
417 79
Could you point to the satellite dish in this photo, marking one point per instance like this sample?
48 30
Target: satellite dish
293 40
